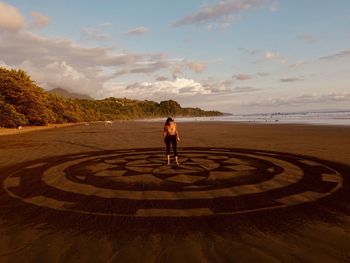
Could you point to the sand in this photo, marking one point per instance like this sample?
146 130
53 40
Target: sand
242 193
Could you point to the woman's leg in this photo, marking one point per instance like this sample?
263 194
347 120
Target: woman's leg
167 143
174 144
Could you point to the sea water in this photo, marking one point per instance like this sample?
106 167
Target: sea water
322 118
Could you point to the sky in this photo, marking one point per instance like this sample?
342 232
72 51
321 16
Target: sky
236 56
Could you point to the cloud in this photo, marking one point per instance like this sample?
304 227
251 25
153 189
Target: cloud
222 11
242 77
144 67
223 26
197 67
244 89
94 33
226 86
137 31
263 74
106 24
308 38
39 20
178 66
274 56
182 87
271 55
305 99
56 62
274 6
61 74
299 63
291 79
251 52
179 86
10 19
15 48
339 55
161 78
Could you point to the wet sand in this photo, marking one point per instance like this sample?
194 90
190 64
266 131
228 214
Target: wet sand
242 193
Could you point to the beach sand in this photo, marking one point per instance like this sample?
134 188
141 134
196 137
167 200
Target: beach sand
242 193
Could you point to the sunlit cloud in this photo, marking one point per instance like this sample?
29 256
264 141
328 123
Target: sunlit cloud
222 12
39 20
180 65
197 67
10 19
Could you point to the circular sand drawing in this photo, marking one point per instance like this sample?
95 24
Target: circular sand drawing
138 183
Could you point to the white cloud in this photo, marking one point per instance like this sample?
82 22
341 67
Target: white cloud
222 11
62 75
181 87
61 62
10 19
164 88
24 45
56 62
39 20
141 30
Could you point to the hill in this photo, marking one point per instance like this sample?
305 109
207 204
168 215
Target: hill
69 95
22 102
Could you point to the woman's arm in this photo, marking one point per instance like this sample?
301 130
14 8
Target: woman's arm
177 134
164 132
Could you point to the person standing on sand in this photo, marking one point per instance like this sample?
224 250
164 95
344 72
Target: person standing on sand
171 136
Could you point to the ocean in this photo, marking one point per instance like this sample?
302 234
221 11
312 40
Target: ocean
320 118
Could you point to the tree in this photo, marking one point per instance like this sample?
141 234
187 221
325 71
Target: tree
9 117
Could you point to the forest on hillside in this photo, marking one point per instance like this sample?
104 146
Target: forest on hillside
22 102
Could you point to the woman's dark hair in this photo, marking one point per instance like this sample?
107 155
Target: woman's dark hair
168 120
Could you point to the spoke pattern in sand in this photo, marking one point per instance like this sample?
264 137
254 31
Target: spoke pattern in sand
137 183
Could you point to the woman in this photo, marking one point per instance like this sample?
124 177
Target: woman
171 136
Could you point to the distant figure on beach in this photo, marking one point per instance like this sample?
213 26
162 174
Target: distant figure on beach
171 136
108 123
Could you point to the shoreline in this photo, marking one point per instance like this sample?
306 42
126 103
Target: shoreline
27 129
